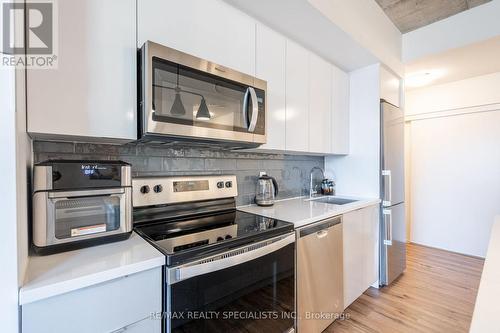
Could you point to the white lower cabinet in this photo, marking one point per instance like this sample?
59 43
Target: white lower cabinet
146 325
125 304
361 249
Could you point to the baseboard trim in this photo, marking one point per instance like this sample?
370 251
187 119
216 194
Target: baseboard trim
449 251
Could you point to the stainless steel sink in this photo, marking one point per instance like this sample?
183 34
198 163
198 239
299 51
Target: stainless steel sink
334 200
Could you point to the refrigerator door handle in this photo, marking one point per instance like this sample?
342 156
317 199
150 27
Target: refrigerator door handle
388 226
387 201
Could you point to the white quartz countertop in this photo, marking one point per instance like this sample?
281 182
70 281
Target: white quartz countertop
302 211
52 275
486 311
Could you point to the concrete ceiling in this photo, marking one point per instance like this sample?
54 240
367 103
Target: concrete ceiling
457 64
409 15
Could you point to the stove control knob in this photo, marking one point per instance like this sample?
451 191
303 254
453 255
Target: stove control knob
229 184
144 189
220 184
220 239
229 236
158 188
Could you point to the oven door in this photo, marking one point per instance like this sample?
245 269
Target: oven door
67 216
187 97
250 289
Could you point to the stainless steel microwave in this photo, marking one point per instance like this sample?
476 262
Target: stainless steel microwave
183 97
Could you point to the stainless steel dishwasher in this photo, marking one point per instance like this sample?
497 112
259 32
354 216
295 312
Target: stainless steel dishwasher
319 275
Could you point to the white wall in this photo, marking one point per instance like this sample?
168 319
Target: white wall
8 235
455 163
474 25
480 90
357 174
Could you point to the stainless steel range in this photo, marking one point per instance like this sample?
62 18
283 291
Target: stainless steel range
225 270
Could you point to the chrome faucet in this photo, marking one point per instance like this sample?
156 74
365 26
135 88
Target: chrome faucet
315 186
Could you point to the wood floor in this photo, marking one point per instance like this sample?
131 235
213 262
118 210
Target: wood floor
435 294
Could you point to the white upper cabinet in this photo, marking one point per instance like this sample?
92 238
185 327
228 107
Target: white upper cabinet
320 109
390 87
297 98
208 29
340 111
92 93
270 66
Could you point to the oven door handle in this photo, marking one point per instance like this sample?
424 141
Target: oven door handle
85 193
226 260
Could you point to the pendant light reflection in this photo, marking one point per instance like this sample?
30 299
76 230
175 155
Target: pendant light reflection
203 113
178 107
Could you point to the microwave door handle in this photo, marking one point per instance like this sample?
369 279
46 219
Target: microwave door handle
245 108
187 272
255 110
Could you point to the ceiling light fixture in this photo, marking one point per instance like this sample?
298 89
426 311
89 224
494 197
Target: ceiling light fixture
422 78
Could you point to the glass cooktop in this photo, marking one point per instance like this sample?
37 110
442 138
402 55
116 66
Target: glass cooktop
190 238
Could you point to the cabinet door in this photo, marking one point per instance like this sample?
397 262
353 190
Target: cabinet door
353 256
371 220
361 260
340 111
104 307
390 87
270 66
209 29
320 91
92 93
297 98
147 325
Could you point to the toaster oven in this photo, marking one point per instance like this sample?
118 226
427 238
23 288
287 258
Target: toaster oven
80 203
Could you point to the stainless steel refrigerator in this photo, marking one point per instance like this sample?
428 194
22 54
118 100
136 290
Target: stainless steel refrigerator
392 219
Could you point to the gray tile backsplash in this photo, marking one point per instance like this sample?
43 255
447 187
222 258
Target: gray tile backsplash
291 171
